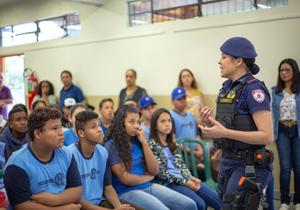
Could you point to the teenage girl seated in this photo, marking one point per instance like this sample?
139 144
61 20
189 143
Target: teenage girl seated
173 173
134 166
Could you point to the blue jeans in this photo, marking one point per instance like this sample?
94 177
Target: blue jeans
202 196
158 197
270 195
288 146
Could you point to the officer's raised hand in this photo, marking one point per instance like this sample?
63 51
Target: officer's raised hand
216 131
204 115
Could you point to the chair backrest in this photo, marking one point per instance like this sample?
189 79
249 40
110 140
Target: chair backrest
184 156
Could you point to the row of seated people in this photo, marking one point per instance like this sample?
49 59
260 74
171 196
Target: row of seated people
134 161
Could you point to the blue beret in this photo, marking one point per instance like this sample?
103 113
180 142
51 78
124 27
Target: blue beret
239 47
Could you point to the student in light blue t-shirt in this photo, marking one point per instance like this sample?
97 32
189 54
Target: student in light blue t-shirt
106 109
146 104
71 135
91 158
184 125
43 174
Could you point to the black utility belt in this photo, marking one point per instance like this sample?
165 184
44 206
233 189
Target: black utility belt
262 156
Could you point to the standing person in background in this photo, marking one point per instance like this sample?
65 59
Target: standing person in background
194 97
147 108
132 91
286 115
69 90
5 97
106 109
45 92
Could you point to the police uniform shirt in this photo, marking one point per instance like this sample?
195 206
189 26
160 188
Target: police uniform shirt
255 96
25 175
94 171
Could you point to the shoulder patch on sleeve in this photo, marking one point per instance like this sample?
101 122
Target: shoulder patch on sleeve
258 95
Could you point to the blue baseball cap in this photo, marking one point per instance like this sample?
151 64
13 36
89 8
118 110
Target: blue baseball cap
178 92
239 47
145 101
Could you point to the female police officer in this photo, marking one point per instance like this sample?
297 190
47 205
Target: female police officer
242 128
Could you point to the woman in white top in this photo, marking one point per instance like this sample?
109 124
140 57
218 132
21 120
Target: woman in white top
286 115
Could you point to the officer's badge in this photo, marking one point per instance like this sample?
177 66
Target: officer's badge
231 94
258 95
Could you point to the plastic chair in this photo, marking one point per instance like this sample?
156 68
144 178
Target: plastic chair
209 181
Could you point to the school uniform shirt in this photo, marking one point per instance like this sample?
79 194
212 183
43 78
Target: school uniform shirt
137 166
94 171
25 175
11 141
184 126
147 130
70 137
104 129
5 153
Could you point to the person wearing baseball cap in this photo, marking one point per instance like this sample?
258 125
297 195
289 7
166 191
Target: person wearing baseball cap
147 108
184 125
242 128
65 123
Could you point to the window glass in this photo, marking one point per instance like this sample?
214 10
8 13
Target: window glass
41 30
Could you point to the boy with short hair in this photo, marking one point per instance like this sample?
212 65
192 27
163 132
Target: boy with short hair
92 163
106 109
146 104
68 103
184 125
71 134
43 174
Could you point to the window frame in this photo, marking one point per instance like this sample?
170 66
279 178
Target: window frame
38 30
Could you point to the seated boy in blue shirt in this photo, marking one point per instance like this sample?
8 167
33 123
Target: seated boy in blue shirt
43 174
91 158
184 125
106 109
146 104
71 134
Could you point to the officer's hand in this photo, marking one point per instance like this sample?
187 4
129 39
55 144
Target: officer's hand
204 115
217 131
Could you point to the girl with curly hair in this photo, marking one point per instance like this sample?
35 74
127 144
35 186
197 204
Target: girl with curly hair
173 173
134 166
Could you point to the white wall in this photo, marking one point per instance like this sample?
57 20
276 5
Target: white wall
108 46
